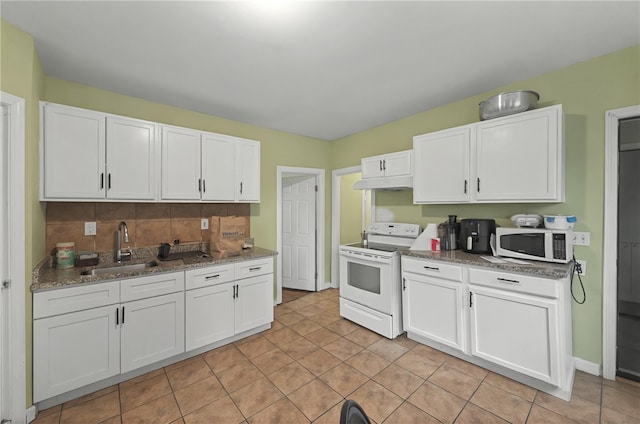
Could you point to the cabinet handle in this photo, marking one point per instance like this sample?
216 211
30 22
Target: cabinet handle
465 186
241 187
404 284
211 276
123 314
199 185
117 317
102 181
255 268
478 184
384 164
470 299
380 161
506 280
204 185
432 268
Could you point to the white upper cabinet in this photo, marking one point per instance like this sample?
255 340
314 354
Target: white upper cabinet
442 166
210 167
113 158
389 165
514 159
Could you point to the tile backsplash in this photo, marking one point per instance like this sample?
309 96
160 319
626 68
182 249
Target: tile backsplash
149 224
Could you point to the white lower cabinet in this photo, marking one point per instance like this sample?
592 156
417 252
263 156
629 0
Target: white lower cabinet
233 302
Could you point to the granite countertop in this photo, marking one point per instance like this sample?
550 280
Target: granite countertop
47 277
534 268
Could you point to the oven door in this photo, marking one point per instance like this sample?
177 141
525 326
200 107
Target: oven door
368 279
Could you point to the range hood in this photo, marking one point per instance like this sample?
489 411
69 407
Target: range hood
403 182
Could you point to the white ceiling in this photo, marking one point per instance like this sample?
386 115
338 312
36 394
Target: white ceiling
321 69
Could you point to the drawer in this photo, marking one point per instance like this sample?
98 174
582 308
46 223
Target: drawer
72 299
153 285
204 277
516 282
254 267
432 268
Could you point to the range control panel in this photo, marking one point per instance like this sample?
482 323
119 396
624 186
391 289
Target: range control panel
394 229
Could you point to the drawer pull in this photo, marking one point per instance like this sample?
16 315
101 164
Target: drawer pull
433 268
255 268
123 314
506 280
211 276
117 317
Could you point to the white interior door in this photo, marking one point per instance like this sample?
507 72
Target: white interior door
4 248
299 232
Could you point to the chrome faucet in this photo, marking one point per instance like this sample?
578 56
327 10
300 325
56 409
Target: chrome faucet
120 255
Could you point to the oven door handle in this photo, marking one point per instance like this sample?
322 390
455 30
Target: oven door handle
364 257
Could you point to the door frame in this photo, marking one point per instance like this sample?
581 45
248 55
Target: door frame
15 161
610 254
319 174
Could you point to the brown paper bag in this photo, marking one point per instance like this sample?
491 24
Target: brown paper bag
227 235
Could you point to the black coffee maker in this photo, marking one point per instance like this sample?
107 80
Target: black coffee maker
475 235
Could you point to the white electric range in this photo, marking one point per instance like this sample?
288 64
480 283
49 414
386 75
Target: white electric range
370 282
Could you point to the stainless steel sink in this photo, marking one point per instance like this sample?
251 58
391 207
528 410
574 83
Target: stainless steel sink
116 269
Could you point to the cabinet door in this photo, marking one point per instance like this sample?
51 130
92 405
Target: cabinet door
248 168
131 159
210 314
441 171
73 350
516 331
254 302
218 168
519 158
77 136
180 164
151 330
399 163
372 167
432 308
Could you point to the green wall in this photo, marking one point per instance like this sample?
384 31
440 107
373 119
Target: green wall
350 209
586 90
21 74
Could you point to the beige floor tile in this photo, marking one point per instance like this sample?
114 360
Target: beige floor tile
113 420
322 336
511 386
621 401
249 339
197 369
235 378
467 367
325 305
363 337
418 364
377 402
221 411
368 363
437 402
299 348
342 348
256 347
182 363
501 403
343 327
283 411
577 409
311 311
430 353
587 387
93 411
455 381
315 398
256 396
472 414
623 384
89 397
403 340
50 411
344 379
332 416
388 349
52 418
283 337
398 380
222 359
540 415
319 362
409 414
163 410
178 421
134 395
304 326
199 394
609 416
142 378
291 377
272 361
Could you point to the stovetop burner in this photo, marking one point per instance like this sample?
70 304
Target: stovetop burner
375 246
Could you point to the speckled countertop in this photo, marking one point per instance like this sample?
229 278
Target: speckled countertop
46 277
534 268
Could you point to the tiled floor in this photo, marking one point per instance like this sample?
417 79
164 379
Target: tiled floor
303 368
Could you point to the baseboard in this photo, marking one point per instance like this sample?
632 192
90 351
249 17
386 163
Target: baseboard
588 366
31 413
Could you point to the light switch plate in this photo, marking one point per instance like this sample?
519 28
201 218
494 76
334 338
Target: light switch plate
581 239
204 224
89 228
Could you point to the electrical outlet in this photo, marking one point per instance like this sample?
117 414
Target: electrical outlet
89 228
581 239
583 267
204 224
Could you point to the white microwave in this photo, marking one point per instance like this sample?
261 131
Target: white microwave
540 244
